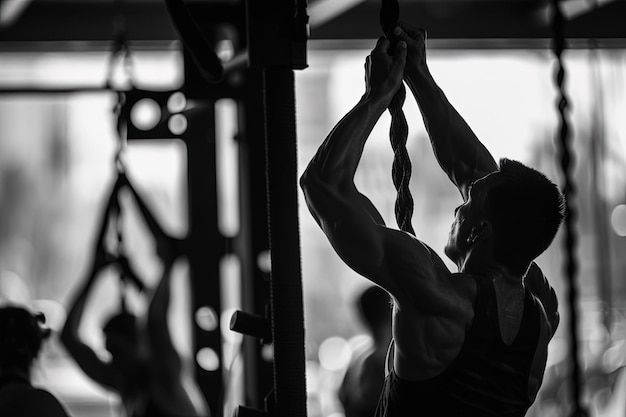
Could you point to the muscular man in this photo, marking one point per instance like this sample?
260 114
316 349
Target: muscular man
471 343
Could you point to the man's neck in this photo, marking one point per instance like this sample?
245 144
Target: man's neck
486 268
481 263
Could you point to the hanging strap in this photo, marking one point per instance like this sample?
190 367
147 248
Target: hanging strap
196 44
398 132
126 272
168 247
117 255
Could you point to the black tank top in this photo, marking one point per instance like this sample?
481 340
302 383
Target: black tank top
487 378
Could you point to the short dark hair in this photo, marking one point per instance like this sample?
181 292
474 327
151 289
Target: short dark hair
374 307
22 334
526 209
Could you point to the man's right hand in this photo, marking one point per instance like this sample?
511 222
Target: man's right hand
415 39
384 68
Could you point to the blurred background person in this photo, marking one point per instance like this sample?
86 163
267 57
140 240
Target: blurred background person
22 335
365 375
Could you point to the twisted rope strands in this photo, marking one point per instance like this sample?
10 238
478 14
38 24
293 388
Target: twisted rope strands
401 169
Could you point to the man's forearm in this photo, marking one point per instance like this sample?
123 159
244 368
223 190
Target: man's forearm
457 149
328 181
332 169
337 158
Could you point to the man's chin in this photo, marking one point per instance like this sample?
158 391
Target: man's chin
451 252
448 251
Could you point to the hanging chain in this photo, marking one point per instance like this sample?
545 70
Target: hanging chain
120 58
569 191
120 50
120 55
121 125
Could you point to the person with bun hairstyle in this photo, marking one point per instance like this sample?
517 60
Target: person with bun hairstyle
22 335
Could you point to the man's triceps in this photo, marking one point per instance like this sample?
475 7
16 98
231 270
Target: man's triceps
357 240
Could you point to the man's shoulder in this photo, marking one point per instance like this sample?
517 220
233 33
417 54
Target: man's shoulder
538 285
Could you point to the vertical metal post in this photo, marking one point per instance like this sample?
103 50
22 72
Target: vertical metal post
286 276
604 262
254 240
206 245
277 45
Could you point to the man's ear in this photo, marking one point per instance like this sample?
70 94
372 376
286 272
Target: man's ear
479 232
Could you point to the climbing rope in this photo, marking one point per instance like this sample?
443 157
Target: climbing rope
569 191
398 132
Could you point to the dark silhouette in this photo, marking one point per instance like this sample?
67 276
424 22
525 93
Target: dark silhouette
145 369
365 375
22 335
471 343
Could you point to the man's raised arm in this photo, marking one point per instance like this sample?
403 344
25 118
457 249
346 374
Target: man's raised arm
457 149
346 216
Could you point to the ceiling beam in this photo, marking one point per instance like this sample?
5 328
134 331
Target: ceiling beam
84 26
503 20
84 21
